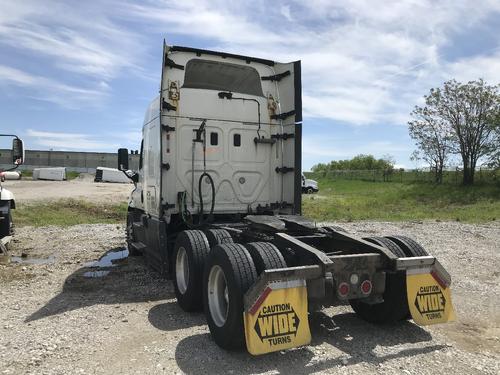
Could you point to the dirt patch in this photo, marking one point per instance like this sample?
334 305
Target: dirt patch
84 188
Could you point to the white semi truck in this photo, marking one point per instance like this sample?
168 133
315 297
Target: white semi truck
7 200
217 208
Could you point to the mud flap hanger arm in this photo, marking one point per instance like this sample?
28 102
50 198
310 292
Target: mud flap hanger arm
255 292
417 264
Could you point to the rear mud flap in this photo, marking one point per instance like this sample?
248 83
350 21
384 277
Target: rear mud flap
429 297
278 318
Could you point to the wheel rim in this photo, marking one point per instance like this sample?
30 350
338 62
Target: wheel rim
218 295
182 270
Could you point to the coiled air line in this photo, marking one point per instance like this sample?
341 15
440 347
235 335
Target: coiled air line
201 137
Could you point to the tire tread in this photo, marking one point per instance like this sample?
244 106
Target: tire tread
409 246
266 256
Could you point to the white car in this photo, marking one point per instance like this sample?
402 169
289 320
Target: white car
309 186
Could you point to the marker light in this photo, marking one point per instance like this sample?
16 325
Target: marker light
343 289
366 287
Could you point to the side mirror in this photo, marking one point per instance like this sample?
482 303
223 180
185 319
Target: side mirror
17 151
123 159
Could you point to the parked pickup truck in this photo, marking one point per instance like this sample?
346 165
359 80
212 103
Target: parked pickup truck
309 186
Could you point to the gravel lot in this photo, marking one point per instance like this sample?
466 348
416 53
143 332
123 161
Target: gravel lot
83 187
55 319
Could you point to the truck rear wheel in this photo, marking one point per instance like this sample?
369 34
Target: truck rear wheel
410 247
265 256
229 273
190 252
388 244
218 237
395 305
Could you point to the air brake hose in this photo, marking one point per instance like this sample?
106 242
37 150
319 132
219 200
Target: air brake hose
201 131
200 196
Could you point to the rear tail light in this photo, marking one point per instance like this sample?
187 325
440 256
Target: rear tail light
343 289
366 287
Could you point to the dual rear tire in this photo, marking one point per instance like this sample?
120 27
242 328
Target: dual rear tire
394 307
230 270
217 278
190 253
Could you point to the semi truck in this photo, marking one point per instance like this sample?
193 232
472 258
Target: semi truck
217 208
7 200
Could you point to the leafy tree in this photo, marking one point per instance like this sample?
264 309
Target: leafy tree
458 118
359 162
494 159
432 135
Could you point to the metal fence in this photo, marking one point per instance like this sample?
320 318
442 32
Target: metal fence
454 176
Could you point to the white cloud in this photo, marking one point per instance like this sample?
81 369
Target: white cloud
80 38
285 11
50 90
363 62
472 68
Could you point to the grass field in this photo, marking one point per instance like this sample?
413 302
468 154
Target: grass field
340 200
349 200
68 212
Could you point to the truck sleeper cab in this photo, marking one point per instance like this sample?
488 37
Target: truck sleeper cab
217 208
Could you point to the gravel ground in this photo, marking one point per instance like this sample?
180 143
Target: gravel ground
83 187
55 319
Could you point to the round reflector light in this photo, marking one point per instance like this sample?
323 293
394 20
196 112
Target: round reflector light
366 287
343 289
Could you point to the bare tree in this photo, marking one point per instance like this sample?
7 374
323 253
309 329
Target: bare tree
432 135
466 113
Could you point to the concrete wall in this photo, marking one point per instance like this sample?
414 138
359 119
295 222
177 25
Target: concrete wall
73 161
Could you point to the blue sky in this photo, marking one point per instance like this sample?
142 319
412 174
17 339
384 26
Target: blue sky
78 75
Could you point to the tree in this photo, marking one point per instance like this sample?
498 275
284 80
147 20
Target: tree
359 162
432 135
494 159
462 115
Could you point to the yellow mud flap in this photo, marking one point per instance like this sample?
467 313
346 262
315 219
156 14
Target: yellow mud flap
429 296
278 319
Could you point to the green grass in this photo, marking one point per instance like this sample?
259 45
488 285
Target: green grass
68 212
343 200
349 200
71 175
26 172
